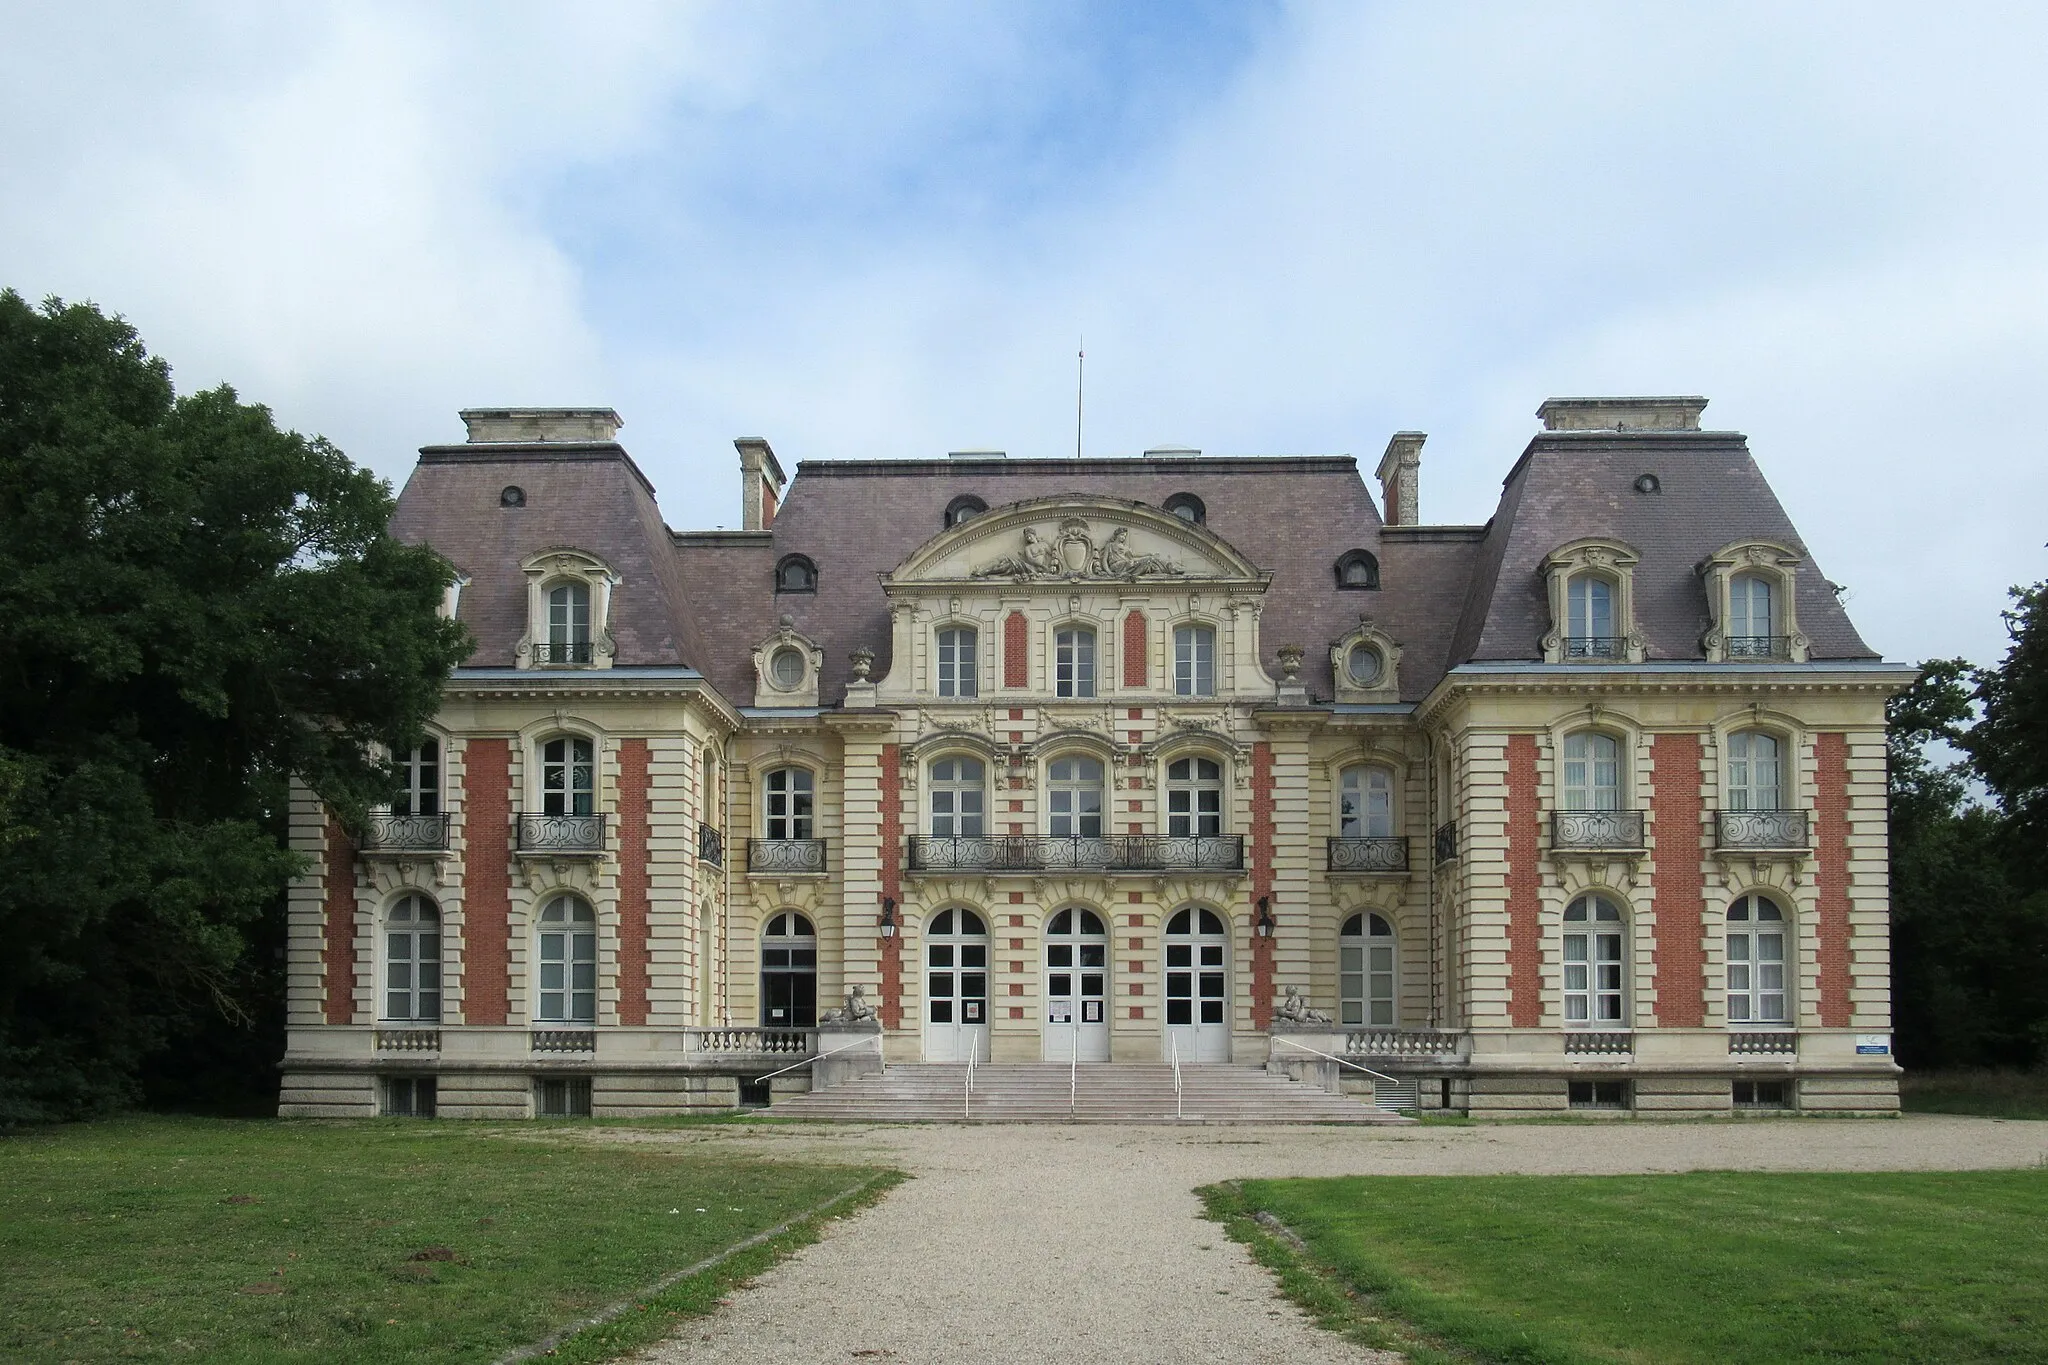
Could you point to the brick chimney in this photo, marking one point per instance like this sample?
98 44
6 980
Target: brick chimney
1400 471
761 483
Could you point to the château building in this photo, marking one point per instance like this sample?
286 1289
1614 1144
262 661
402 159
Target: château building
1177 757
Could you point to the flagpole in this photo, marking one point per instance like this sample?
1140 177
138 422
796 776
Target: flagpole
1080 380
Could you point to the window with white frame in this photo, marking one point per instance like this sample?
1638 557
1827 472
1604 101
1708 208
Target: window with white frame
568 776
1752 618
1074 797
1590 632
957 798
419 775
412 961
1595 963
1756 961
1754 775
565 959
1592 771
1194 661
1194 797
788 804
1366 972
957 677
568 639
1365 804
1073 662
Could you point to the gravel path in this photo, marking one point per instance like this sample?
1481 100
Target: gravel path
1059 1245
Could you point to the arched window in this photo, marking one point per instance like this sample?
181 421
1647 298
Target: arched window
1365 804
1756 961
1358 570
1194 797
1188 508
1194 661
566 958
957 798
789 973
1589 628
1073 662
1077 981
412 961
1755 779
1595 963
964 508
1366 977
568 639
795 573
957 676
1197 985
420 772
1592 771
1075 797
787 804
1752 618
956 980
568 776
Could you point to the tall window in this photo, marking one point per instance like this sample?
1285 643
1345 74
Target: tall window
1750 617
1595 961
1590 632
412 961
1365 804
1754 781
1756 961
421 774
957 798
568 777
1592 771
788 804
569 624
1076 797
956 662
567 961
1194 797
1194 661
1074 662
789 973
1365 972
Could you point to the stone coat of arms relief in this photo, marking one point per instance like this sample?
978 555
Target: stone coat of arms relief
1071 553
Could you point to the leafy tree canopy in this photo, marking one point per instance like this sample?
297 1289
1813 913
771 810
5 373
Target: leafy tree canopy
199 608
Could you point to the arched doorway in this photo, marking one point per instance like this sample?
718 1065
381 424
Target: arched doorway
1367 982
789 973
1076 987
1197 986
956 987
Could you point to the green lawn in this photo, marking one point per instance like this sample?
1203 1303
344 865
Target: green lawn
1991 1094
379 1240
1707 1267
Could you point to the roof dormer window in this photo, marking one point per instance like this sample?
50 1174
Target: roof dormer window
1359 571
964 508
795 573
1188 508
1592 604
1752 605
568 605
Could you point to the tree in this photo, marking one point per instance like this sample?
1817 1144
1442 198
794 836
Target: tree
199 608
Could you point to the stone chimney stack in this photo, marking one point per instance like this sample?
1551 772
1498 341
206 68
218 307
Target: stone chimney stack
1622 414
761 483
538 426
1400 471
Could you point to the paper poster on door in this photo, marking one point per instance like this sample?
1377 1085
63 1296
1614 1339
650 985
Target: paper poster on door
972 1012
1091 1011
1059 1012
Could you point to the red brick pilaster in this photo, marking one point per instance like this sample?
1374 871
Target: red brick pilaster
1831 876
338 954
1675 807
1262 881
1525 903
892 881
633 886
487 879
1134 649
1016 650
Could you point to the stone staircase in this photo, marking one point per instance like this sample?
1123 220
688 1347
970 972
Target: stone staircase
1105 1092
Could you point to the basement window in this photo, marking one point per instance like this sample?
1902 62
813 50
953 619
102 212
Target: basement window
407 1097
562 1097
1760 1095
1598 1094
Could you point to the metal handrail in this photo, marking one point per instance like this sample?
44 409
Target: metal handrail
1340 1061
966 1095
1173 1041
1073 1066
819 1057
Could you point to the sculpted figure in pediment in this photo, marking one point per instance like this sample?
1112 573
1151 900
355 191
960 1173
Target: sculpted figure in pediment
1119 560
1038 559
1073 555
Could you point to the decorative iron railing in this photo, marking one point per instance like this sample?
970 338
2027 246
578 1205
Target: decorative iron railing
563 1040
1596 829
1582 1042
710 845
562 652
408 1040
1372 853
1593 647
561 833
386 833
1447 841
748 1042
1402 1042
1759 646
1108 852
785 855
1763 1041
1760 829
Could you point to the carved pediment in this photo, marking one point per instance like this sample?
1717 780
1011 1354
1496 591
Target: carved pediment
1075 539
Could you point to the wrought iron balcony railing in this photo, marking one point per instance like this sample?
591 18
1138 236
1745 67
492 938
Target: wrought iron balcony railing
785 855
387 833
1372 853
561 652
1759 646
1596 829
1108 852
1760 829
567 834
710 844
1594 647
1447 841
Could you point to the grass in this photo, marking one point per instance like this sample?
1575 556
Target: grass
371 1241
1707 1267
1990 1094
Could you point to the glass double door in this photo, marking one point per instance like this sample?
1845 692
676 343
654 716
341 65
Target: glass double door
1197 987
1076 988
956 951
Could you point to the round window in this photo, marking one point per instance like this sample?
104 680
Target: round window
1363 665
786 667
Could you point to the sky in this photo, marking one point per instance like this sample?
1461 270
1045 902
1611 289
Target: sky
883 231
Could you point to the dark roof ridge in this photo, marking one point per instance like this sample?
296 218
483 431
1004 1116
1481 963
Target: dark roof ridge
1093 464
1549 440
534 452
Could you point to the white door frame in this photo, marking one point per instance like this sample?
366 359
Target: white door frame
1076 1024
956 958
1196 965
